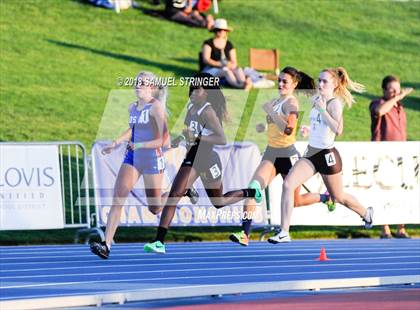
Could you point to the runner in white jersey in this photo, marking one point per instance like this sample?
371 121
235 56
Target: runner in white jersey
322 136
280 153
321 156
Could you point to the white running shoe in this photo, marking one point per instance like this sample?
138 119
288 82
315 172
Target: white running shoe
368 219
280 238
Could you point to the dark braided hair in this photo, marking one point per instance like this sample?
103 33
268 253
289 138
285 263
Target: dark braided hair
214 93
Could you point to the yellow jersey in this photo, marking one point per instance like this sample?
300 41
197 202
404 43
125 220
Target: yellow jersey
276 137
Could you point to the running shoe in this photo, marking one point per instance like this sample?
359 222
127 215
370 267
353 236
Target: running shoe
329 203
240 237
193 195
386 236
402 235
368 219
155 247
281 237
100 249
258 192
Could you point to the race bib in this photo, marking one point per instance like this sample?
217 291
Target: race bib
215 171
161 163
330 159
294 159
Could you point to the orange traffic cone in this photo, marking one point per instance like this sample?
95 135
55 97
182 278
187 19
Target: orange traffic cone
323 255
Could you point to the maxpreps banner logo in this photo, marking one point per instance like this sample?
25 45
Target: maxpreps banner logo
30 187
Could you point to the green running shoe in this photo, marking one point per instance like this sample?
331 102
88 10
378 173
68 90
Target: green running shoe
240 237
258 194
329 203
154 247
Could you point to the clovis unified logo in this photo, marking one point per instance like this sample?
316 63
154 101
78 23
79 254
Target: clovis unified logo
30 187
26 187
31 177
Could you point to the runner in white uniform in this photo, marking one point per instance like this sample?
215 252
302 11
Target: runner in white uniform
321 155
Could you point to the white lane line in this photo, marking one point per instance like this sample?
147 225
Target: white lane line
153 257
186 246
271 274
278 248
191 249
182 245
201 269
248 262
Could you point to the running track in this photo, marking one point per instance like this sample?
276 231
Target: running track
52 276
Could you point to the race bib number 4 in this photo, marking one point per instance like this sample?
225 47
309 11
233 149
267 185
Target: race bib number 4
330 159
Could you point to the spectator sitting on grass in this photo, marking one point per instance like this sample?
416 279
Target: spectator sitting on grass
189 12
111 4
219 57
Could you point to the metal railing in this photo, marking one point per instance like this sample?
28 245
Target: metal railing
73 162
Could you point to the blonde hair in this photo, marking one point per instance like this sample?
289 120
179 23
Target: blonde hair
161 91
344 85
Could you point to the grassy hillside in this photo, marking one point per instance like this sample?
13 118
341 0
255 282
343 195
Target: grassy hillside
61 60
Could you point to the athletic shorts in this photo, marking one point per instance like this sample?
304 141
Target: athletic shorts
282 158
325 161
206 162
149 161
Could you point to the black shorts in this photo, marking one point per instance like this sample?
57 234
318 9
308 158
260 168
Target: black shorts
205 161
325 161
283 158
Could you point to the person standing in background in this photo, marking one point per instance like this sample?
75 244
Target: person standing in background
388 123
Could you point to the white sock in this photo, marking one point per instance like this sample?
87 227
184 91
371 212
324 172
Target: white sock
366 215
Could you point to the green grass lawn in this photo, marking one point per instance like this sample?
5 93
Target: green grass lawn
60 60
